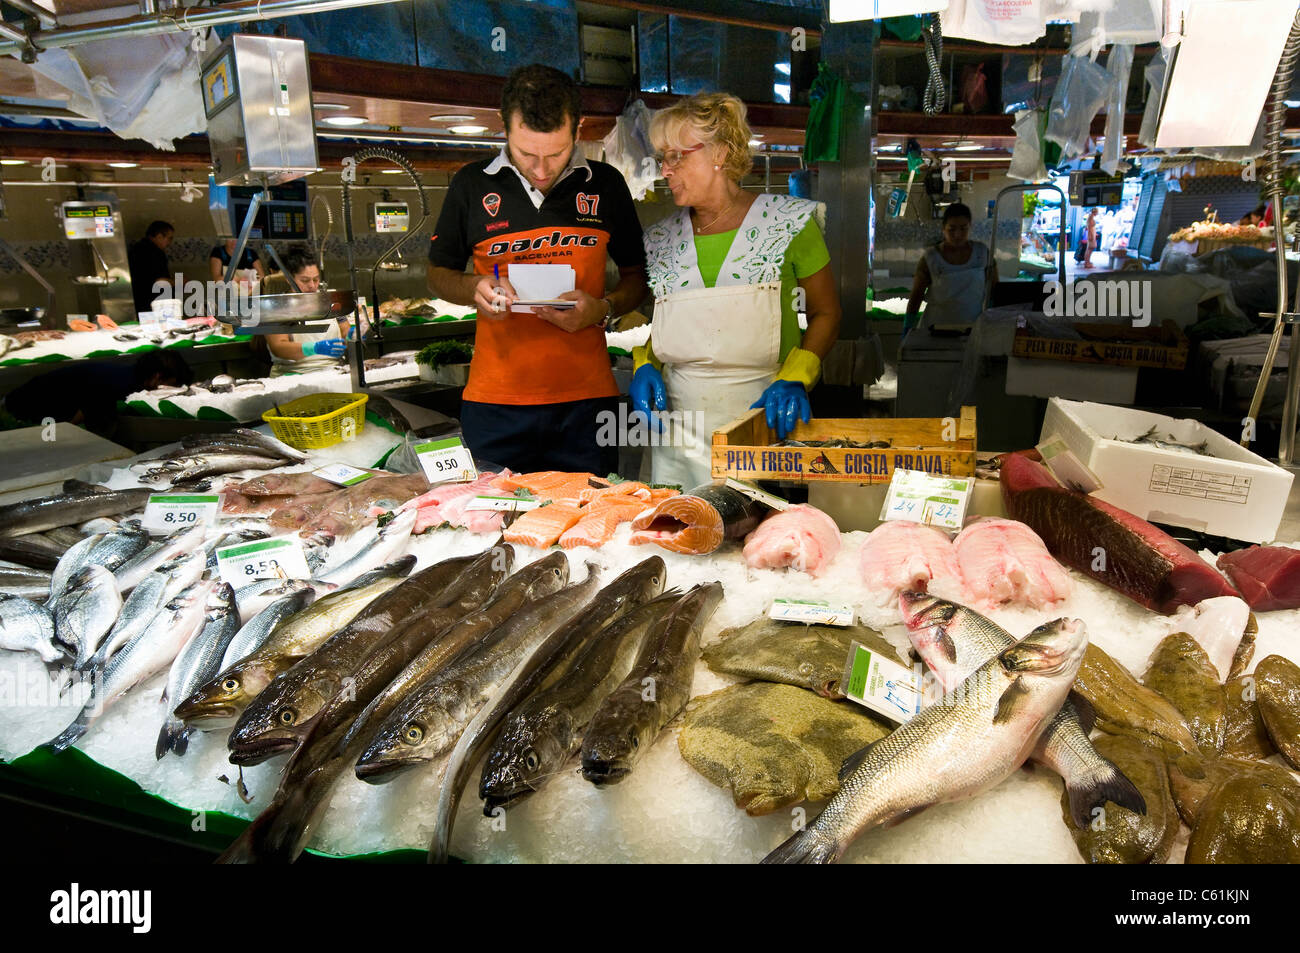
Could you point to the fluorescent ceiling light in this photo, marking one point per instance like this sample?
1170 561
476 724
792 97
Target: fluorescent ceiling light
13 161
328 106
453 117
467 130
124 165
392 171
755 144
969 147
345 120
843 11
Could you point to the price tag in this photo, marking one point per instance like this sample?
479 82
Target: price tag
762 496
1067 467
168 512
923 498
508 504
811 612
277 558
342 474
445 460
882 685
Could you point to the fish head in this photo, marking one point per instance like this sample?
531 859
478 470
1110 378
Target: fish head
929 621
531 748
278 719
1053 650
219 702
408 739
643 581
551 574
619 734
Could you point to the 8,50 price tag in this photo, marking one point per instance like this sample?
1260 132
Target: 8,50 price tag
446 460
168 512
277 558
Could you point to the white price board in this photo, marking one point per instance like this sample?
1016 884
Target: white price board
342 475
924 498
882 685
505 504
167 512
445 460
811 612
277 558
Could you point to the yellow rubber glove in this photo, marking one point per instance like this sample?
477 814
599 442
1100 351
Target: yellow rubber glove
645 354
801 366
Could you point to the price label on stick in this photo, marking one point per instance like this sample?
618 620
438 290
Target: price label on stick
507 504
882 685
277 558
167 512
342 474
446 460
923 498
811 612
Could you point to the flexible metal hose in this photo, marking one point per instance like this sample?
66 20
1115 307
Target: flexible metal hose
934 88
1274 124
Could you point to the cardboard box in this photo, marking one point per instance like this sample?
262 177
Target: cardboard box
1110 344
1231 492
743 449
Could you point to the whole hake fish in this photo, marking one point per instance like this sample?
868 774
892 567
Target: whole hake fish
962 745
954 641
548 661
67 509
654 691
277 720
219 702
196 662
545 731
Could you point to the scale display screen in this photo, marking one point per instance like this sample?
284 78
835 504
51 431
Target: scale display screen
1091 188
391 216
284 216
83 220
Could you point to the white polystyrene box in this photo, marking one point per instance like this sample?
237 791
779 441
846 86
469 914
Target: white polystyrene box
1233 493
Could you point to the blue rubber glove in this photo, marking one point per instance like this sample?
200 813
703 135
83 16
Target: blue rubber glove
647 392
786 403
333 347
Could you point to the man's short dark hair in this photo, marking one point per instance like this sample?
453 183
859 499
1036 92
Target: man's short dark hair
542 97
158 227
298 256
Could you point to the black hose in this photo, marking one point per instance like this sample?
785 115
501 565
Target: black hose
935 93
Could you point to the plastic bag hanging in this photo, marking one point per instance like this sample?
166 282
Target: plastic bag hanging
1027 156
1119 64
822 137
1079 95
628 149
1154 74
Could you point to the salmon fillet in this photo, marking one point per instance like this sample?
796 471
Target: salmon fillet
541 527
680 524
626 488
554 485
599 521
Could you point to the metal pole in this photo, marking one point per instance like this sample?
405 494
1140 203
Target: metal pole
48 320
254 204
32 10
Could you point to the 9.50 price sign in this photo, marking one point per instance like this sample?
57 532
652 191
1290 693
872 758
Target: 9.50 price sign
166 512
445 460
277 558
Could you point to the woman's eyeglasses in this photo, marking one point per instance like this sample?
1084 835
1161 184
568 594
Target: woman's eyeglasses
673 157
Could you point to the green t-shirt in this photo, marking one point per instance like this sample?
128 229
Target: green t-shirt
806 255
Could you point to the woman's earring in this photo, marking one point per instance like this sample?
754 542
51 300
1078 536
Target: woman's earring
716 168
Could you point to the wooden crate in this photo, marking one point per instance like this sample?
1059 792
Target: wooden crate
743 449
1164 347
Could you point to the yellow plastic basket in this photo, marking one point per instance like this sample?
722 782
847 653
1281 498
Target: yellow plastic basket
318 420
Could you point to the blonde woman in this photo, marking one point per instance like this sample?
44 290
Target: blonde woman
730 270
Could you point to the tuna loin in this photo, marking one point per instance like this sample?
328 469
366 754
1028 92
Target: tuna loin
1109 544
1268 576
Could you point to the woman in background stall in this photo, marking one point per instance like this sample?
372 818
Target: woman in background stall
951 276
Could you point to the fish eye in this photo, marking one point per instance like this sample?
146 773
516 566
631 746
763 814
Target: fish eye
531 761
287 716
230 685
413 734
631 736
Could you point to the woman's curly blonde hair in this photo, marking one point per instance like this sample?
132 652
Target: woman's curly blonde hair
715 119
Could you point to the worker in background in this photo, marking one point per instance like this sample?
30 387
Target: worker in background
951 277
301 352
219 260
147 260
540 383
87 395
1088 241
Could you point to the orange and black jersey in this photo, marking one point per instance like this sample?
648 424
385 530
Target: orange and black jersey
489 217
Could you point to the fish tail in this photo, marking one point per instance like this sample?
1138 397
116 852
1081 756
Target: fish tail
1094 789
70 735
805 847
174 736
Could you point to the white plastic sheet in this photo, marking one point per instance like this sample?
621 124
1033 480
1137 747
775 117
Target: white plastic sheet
1027 156
1155 74
1118 64
138 87
1006 22
1080 92
628 149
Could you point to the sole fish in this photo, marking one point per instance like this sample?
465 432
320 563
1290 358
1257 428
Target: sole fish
1124 706
1277 689
1247 821
1180 670
1116 835
697 523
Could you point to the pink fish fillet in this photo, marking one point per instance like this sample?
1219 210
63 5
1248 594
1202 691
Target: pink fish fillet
900 555
1003 561
476 521
802 537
